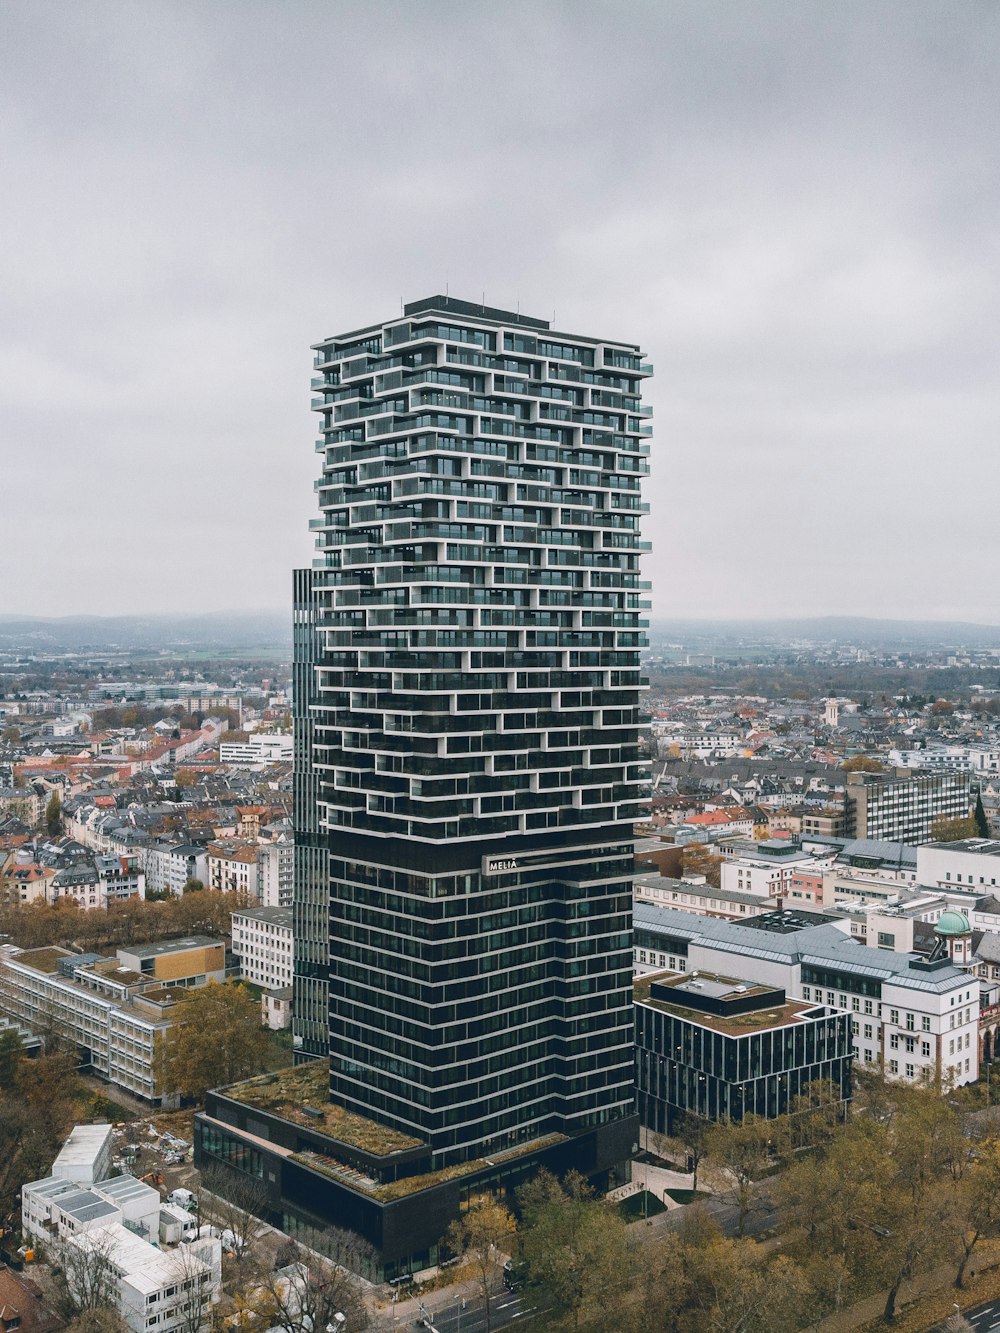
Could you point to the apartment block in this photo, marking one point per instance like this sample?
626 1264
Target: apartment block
262 940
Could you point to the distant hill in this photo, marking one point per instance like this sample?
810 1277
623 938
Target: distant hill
222 630
860 630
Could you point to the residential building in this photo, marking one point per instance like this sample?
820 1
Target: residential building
722 1048
915 1017
766 868
22 1307
276 872
169 866
692 896
467 752
262 941
894 808
232 867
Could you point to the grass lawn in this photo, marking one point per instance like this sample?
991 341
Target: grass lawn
640 1205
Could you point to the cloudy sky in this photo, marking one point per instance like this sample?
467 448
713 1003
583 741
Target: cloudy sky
792 206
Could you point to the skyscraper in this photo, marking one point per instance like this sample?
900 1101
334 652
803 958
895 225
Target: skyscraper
467 763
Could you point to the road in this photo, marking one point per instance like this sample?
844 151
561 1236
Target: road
505 1309
983 1318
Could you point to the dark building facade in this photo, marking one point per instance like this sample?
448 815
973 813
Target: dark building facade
467 761
722 1048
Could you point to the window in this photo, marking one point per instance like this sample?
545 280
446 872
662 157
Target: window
925 1024
909 1071
855 1004
868 1031
894 1016
868 1006
893 1066
910 1022
806 993
925 1048
894 1042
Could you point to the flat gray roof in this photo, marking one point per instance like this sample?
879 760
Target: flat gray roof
820 946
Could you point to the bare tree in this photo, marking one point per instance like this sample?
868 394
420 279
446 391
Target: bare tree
89 1279
194 1288
236 1204
309 1294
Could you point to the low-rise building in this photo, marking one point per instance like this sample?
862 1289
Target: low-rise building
916 1017
112 1010
722 1048
269 747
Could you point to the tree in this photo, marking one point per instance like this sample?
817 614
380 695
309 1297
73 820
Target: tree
577 1252
862 763
11 1055
11 735
696 859
692 1134
215 1039
742 1150
484 1235
236 1203
954 830
192 886
53 814
184 778
306 1294
88 1281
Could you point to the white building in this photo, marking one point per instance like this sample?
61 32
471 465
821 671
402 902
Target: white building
153 1288
268 747
170 865
262 940
915 1018
276 872
86 1155
972 864
766 869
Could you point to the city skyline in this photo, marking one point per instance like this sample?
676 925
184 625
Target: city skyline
790 208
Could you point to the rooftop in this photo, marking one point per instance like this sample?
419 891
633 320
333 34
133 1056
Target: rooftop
273 916
287 1093
680 984
170 946
820 945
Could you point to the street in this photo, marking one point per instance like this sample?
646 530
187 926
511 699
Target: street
983 1318
505 1309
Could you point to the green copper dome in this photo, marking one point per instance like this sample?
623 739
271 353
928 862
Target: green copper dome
953 923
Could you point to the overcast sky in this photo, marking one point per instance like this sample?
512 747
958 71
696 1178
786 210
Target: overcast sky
793 207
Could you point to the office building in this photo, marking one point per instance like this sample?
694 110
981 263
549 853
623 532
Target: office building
722 1048
892 808
467 766
916 1017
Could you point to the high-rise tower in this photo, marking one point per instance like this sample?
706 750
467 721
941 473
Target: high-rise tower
467 763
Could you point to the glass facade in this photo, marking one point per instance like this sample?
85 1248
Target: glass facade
467 725
683 1065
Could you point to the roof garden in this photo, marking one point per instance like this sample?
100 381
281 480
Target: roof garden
301 1095
42 960
405 1185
